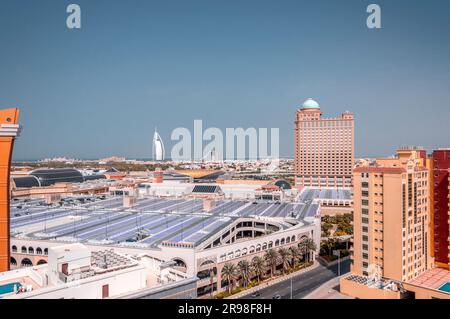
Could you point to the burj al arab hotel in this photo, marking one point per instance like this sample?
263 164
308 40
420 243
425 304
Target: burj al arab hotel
158 147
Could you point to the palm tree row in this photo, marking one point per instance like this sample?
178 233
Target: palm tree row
259 266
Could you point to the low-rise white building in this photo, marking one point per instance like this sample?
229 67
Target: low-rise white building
199 231
75 272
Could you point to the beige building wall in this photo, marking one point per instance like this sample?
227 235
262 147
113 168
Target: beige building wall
425 293
391 227
350 288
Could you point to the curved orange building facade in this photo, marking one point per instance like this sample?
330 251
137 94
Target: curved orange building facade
9 130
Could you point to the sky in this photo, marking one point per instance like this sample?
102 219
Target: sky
136 65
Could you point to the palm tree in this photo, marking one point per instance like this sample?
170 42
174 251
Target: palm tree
229 274
245 271
258 266
272 259
285 258
330 244
306 246
296 255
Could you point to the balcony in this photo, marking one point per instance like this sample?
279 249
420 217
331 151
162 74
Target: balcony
206 281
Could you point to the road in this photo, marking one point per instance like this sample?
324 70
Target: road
302 284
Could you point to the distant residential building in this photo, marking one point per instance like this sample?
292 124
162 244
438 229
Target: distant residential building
324 147
112 159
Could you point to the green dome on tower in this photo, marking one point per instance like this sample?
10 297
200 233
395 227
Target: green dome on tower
310 104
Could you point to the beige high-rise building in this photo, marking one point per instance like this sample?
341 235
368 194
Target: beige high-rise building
391 217
324 148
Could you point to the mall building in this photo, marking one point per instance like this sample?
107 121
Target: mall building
197 227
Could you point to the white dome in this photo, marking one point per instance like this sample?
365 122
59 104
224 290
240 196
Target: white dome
310 104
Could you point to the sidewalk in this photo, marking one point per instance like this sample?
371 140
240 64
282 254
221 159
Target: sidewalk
274 281
326 291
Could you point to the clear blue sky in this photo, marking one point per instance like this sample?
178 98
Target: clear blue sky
134 65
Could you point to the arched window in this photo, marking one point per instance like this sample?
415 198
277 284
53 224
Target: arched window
244 251
46 251
264 246
180 264
14 249
288 240
270 244
24 250
26 263
282 241
293 238
13 261
41 262
38 251
277 242
252 249
258 247
208 263
30 250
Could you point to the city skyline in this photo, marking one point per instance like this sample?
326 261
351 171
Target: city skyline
224 150
179 62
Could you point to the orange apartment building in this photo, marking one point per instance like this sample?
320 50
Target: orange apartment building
391 216
324 148
9 130
393 231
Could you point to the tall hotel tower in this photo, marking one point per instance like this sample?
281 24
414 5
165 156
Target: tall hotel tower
324 148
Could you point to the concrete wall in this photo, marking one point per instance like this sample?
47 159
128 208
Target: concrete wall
119 282
184 289
426 293
356 290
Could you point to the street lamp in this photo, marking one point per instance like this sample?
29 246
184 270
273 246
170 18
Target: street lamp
338 254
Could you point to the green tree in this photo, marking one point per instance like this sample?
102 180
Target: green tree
285 258
259 267
330 243
229 274
306 246
296 255
272 258
245 271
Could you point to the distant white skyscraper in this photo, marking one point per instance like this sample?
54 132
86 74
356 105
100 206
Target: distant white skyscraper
158 147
